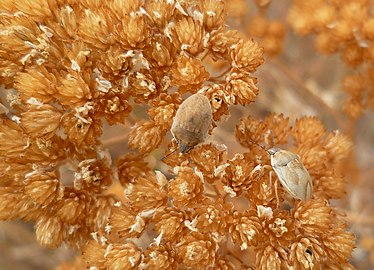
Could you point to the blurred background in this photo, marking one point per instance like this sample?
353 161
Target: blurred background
297 82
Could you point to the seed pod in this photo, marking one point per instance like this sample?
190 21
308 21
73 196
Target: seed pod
291 172
191 122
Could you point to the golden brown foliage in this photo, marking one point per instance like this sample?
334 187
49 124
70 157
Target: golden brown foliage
70 66
347 28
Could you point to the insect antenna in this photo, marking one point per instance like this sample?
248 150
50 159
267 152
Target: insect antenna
259 145
172 152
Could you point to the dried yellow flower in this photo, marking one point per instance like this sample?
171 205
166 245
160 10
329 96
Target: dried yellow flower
145 136
337 146
93 175
273 130
114 64
247 55
164 109
100 210
306 214
13 141
132 32
308 130
131 166
160 52
221 42
245 229
16 205
123 256
50 231
354 107
307 253
71 68
71 207
96 29
115 107
207 158
188 74
144 85
125 223
159 257
236 173
93 254
43 187
338 245
242 87
213 13
187 35
41 120
169 223
197 251
213 216
147 192
73 90
36 83
220 101
187 188
81 127
159 12
269 258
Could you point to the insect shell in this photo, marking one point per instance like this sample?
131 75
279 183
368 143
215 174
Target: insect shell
192 122
291 172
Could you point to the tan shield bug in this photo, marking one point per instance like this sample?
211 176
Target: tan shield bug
291 172
192 122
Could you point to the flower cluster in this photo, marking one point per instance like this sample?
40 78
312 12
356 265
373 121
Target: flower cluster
70 66
270 32
345 27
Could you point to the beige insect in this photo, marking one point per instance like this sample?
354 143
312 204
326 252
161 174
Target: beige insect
291 172
192 122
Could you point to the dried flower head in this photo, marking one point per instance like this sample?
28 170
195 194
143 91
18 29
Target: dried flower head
73 68
342 27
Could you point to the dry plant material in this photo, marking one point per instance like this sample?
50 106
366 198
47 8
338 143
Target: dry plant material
69 66
347 28
269 32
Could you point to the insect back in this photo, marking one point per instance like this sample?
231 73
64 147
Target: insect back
291 172
192 122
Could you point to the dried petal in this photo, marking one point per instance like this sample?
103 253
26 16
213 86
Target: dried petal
247 55
145 136
187 188
50 231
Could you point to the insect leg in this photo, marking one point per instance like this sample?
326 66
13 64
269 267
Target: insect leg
275 186
276 192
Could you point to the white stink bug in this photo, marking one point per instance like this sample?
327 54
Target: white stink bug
291 172
192 122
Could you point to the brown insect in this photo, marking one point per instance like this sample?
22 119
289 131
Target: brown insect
291 172
192 122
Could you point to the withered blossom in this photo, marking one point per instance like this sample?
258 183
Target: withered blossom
187 188
159 257
245 229
148 129
197 251
147 192
188 74
170 224
131 166
350 35
70 67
